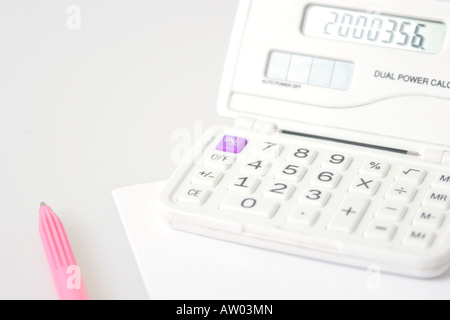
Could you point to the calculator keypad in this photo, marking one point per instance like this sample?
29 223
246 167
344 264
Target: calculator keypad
299 187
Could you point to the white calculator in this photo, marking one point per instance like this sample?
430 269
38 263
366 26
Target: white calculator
340 149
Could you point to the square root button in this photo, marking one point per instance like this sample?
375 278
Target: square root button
232 144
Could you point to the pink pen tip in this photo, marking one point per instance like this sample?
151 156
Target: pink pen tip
43 204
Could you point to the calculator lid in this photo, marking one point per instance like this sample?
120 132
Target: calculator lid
289 63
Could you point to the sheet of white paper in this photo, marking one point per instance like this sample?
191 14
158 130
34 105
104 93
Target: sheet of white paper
178 265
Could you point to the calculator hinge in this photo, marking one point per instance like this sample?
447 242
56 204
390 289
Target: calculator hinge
256 126
432 155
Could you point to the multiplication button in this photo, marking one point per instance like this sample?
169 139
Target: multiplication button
365 186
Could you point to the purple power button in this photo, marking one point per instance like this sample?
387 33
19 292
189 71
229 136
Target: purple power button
232 144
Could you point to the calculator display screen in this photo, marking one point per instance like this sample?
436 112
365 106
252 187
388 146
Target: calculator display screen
374 29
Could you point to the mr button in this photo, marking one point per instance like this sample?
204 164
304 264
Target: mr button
438 199
194 196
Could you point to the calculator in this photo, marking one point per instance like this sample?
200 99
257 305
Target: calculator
340 148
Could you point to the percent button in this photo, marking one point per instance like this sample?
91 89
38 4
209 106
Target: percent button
375 168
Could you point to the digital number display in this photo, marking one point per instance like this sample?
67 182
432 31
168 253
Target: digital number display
374 29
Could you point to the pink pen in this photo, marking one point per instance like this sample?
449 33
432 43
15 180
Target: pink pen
65 271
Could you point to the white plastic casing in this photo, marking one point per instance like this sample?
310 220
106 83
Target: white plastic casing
373 110
377 111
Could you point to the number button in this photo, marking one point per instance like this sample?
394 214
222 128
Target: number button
279 191
263 208
246 185
256 167
337 161
364 186
269 150
207 178
316 198
302 156
291 173
329 180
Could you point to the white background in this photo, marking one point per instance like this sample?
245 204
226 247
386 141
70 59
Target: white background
83 112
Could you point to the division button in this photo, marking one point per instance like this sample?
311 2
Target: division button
401 192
